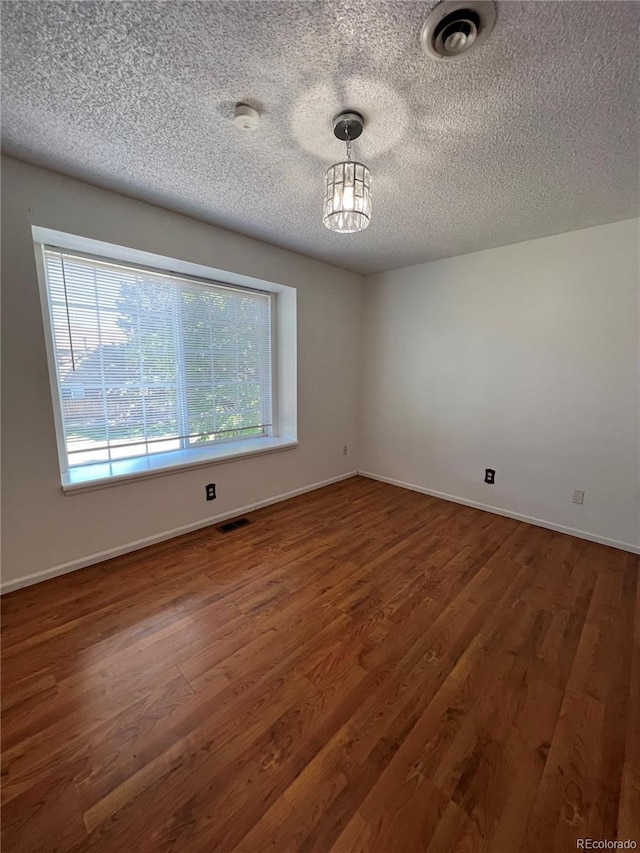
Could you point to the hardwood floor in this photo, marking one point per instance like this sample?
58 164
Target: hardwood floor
361 668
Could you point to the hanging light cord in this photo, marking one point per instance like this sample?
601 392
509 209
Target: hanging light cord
349 148
66 302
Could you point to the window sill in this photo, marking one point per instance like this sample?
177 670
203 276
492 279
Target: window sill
104 474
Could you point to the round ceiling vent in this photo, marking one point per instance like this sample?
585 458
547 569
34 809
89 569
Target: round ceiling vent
455 28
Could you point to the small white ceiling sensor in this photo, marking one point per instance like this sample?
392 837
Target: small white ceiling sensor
455 27
246 117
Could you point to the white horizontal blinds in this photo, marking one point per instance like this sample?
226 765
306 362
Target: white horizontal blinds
227 362
149 362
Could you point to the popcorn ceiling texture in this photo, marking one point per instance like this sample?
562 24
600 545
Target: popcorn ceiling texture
534 134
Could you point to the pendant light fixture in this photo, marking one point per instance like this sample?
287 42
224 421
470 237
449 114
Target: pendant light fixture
347 194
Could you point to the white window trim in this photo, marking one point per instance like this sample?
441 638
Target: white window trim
284 367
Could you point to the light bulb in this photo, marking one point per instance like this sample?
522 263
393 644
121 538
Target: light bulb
348 199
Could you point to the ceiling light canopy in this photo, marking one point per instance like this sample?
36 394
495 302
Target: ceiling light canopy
347 193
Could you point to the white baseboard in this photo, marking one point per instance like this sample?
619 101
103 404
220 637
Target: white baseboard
538 522
101 556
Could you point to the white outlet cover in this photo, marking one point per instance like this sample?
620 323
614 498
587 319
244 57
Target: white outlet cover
578 497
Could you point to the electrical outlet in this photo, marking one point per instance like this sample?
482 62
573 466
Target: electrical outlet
489 476
344 450
210 491
578 497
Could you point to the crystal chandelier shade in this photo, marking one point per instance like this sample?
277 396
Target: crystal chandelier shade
347 197
347 185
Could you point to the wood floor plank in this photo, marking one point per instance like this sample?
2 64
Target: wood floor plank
579 793
629 810
361 668
403 687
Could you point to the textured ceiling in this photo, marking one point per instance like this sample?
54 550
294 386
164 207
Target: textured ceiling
534 134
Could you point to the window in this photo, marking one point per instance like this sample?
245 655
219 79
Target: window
154 366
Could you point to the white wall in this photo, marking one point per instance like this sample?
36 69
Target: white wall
523 359
45 531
